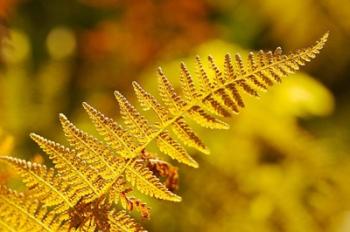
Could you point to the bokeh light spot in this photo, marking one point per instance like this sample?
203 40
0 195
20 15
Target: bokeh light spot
17 47
60 43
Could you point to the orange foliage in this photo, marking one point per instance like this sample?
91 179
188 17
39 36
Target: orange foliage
147 29
6 7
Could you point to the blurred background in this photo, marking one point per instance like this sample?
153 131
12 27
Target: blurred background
284 164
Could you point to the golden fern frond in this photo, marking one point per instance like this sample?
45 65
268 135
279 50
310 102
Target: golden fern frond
118 138
93 176
21 213
84 179
100 156
203 79
209 102
223 94
219 95
105 162
187 84
146 182
119 186
192 94
185 133
139 176
44 184
121 222
229 74
4 227
145 132
257 73
95 153
147 101
198 115
168 94
137 124
180 127
174 149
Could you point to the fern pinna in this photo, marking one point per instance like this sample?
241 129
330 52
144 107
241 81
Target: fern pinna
89 188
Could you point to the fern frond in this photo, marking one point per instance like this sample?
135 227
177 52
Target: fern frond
85 180
119 193
147 101
204 82
94 176
187 84
172 148
95 153
145 132
218 76
168 94
180 127
146 182
198 115
5 227
21 213
213 103
44 184
185 133
119 186
217 95
139 176
121 222
137 124
115 136
223 94
238 77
